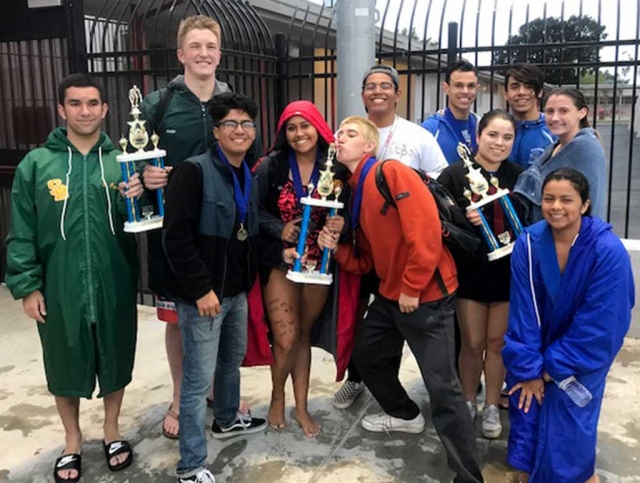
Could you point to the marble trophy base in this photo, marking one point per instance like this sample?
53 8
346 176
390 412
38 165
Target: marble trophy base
146 224
314 277
501 252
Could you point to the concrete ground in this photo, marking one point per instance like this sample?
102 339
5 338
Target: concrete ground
31 436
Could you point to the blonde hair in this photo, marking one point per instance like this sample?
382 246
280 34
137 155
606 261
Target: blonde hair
367 129
201 22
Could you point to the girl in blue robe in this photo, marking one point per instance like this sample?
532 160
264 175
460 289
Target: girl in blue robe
572 293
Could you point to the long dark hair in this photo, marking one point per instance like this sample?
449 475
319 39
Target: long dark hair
577 180
578 100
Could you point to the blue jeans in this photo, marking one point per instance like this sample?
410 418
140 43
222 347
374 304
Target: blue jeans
208 342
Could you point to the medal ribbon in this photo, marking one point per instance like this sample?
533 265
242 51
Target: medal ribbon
297 179
452 122
241 197
357 199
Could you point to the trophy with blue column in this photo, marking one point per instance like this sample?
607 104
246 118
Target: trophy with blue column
310 272
144 219
501 244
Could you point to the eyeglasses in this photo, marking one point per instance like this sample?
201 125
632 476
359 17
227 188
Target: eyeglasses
233 125
385 86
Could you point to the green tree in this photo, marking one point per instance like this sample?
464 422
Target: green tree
556 31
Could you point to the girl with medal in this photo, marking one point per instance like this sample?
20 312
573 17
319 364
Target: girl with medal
283 176
482 305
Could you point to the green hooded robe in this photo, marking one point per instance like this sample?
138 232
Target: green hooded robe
73 249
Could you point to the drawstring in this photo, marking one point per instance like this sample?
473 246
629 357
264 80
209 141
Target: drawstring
66 198
106 190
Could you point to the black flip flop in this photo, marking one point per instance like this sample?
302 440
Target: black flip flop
116 448
72 461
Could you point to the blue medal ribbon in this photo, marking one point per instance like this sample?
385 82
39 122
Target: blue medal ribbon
241 197
297 179
454 125
357 199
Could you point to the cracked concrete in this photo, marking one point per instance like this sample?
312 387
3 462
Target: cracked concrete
31 435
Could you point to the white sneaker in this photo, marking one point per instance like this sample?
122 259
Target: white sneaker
473 410
202 476
384 423
347 394
491 426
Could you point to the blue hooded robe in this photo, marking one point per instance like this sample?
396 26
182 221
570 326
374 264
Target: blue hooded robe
584 315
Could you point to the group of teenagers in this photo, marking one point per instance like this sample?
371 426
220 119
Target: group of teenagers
552 314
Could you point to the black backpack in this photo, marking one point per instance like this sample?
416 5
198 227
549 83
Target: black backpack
458 235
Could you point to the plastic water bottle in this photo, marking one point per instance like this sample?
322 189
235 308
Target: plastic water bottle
579 394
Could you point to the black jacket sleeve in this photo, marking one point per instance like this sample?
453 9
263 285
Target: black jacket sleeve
183 197
270 225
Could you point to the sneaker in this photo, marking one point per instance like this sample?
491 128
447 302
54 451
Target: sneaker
384 423
202 476
347 394
491 427
473 410
244 424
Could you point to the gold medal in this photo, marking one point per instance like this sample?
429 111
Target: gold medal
242 233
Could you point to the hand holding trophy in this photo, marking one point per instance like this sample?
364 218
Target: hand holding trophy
502 245
138 220
326 188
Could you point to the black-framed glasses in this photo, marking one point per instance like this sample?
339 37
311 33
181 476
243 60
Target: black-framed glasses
232 125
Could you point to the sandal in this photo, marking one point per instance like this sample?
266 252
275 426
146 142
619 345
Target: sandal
116 448
173 415
71 461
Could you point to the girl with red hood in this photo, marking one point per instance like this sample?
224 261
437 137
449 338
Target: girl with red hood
295 160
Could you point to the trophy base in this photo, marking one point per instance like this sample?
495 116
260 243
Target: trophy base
307 200
488 199
501 252
152 223
141 155
310 277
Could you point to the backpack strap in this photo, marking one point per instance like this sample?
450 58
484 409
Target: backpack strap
383 188
166 95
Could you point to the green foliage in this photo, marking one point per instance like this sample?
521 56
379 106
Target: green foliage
556 31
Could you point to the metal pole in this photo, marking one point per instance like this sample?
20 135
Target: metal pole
355 52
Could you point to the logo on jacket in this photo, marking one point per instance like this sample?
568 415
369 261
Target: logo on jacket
57 190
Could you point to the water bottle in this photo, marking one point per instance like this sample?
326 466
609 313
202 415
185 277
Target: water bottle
579 394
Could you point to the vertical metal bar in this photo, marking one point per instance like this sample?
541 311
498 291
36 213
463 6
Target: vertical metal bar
395 34
633 121
5 52
31 88
326 72
452 48
424 58
381 41
409 69
281 67
313 55
493 43
614 99
544 32
444 9
461 23
579 70
562 70
510 34
21 75
301 50
527 36
597 79
477 39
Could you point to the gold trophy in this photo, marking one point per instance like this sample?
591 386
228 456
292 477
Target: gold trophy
502 245
326 187
139 221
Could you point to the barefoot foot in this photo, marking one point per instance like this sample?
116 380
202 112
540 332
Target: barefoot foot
276 414
310 428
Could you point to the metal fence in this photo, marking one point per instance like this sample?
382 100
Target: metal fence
592 45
